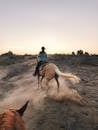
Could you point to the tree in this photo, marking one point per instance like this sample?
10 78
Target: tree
80 52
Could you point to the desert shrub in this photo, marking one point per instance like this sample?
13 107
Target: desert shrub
10 58
74 60
20 69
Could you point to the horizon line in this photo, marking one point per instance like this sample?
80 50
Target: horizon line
22 53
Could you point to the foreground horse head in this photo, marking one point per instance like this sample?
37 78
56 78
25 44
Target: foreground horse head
12 120
50 71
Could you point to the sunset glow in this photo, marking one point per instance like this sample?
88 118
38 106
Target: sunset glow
62 26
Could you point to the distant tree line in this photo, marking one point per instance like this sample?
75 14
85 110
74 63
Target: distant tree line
78 58
80 53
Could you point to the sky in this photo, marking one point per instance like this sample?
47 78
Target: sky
62 26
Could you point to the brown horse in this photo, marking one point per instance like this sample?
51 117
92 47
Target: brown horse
11 119
50 71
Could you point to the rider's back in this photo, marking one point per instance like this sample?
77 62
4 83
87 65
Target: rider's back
42 56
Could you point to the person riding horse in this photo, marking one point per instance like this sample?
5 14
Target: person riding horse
41 59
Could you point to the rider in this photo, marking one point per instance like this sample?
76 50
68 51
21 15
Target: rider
41 59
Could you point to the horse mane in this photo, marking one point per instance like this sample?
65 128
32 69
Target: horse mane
11 120
6 120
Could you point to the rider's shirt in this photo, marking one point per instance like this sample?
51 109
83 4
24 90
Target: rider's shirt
42 56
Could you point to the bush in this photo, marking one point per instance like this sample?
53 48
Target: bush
16 71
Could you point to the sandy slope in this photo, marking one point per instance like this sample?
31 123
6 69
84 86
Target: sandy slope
46 113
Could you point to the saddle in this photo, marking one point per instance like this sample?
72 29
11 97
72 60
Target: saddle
42 66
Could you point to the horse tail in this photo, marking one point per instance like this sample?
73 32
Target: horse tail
73 78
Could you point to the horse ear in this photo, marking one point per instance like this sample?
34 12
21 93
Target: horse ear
22 109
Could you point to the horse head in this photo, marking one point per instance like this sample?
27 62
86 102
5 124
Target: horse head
11 119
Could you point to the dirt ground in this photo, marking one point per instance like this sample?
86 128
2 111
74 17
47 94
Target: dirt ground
44 112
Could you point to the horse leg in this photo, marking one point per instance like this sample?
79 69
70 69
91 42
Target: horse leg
41 81
38 81
56 78
47 81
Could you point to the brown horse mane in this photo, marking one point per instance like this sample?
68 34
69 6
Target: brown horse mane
11 119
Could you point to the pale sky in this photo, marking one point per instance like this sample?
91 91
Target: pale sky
62 26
